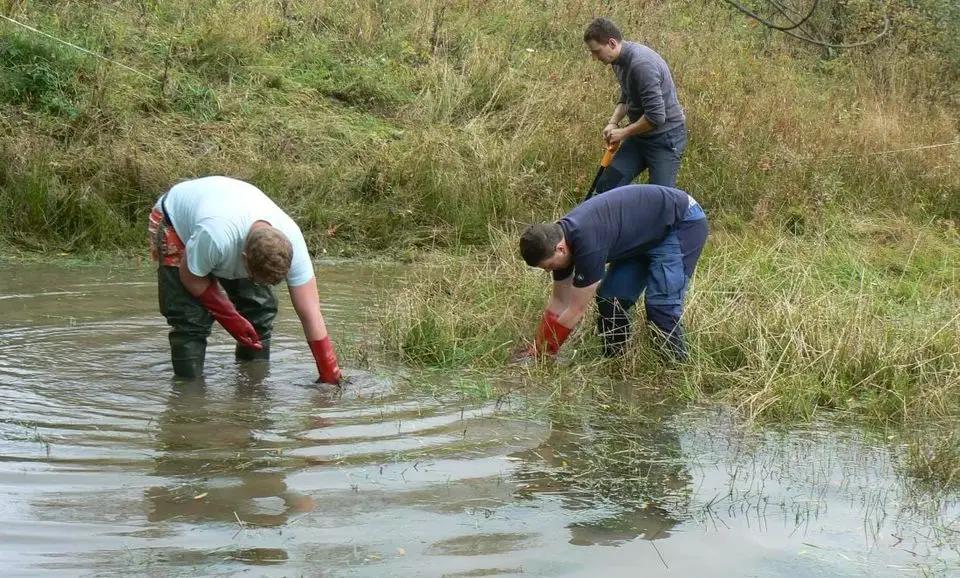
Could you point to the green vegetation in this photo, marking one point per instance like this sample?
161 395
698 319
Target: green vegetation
396 125
857 316
933 459
385 124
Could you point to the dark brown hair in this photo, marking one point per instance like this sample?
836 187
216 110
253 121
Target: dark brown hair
269 254
601 30
539 242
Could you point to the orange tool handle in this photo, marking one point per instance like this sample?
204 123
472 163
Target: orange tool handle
608 155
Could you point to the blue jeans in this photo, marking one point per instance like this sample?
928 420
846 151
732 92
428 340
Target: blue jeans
659 154
661 273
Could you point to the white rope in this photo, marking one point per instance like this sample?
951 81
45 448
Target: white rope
918 148
80 48
890 152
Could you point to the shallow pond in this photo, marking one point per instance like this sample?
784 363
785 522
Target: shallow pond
110 467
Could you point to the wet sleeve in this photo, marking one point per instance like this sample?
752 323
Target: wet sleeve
301 267
203 253
590 268
645 84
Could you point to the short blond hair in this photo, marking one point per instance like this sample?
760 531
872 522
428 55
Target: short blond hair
269 254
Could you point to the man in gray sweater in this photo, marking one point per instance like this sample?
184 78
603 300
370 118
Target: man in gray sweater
656 135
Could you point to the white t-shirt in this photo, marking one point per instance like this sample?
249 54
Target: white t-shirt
212 215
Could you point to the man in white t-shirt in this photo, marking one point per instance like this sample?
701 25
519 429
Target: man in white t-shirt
217 231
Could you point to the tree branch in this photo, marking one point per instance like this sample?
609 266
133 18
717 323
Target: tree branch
801 33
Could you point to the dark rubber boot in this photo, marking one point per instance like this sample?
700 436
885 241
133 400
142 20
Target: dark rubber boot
189 323
613 325
188 358
258 305
667 326
247 354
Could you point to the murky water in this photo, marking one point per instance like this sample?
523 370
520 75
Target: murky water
108 467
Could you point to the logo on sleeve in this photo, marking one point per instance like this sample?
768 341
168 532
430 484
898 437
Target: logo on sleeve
580 277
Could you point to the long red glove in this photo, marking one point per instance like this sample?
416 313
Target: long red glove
326 359
217 303
550 335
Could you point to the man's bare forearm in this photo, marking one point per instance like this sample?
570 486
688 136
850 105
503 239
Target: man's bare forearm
640 127
306 302
618 113
194 284
559 297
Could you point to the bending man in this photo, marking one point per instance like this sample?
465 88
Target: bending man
651 236
218 232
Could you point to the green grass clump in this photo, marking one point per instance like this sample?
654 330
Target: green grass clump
932 458
856 316
38 76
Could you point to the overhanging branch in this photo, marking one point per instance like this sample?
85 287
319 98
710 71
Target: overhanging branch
797 28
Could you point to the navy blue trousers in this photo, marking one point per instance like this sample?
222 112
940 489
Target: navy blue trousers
662 274
658 154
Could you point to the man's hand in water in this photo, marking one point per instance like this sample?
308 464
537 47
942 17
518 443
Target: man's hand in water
525 354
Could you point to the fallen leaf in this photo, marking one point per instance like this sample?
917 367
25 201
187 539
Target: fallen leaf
201 496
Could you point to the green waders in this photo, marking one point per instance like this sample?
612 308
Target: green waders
190 322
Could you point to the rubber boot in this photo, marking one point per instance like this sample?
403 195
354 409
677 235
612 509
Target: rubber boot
187 357
247 354
666 324
258 304
189 322
613 324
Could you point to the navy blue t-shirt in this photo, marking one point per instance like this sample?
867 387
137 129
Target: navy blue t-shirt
617 224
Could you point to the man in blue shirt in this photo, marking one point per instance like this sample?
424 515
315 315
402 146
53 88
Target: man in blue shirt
650 235
656 136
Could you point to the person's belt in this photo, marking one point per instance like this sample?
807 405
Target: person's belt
163 209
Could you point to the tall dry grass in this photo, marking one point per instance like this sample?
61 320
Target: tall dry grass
418 123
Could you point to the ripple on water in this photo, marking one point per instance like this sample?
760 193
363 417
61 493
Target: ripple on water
108 465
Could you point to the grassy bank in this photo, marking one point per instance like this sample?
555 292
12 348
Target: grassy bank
418 123
857 316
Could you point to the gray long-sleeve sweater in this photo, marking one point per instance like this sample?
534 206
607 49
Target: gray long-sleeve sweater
646 87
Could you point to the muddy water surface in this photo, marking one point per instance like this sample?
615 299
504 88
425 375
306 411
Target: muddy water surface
110 467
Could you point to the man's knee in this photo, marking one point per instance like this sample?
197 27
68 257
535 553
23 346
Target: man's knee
665 317
667 281
189 322
664 170
665 157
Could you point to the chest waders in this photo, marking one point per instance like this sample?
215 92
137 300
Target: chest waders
190 323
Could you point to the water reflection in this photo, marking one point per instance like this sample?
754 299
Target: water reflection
109 469
216 459
630 474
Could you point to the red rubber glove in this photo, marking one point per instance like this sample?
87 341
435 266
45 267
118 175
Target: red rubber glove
550 334
217 303
326 359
